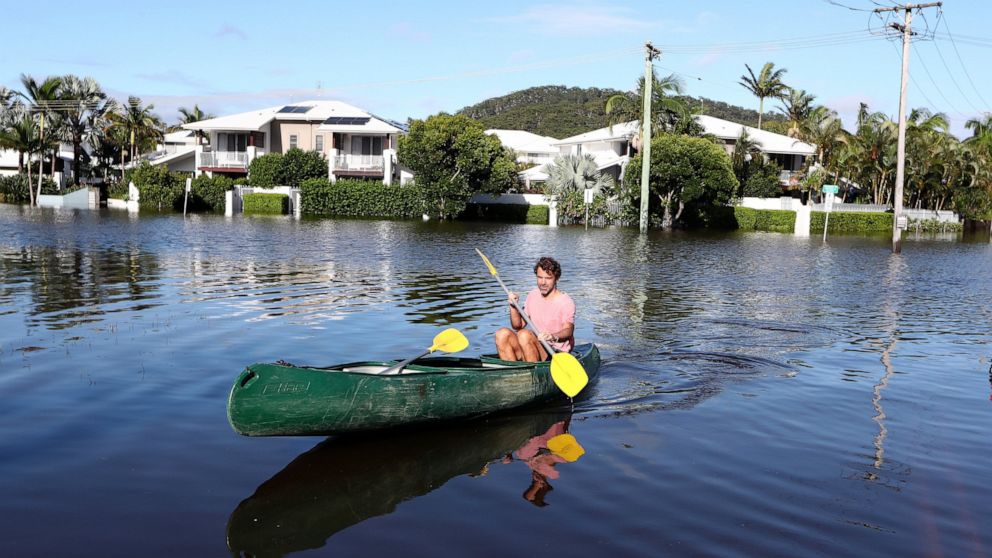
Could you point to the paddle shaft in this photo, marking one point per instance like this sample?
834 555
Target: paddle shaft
547 347
398 367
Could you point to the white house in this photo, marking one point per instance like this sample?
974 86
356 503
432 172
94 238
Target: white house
530 148
63 164
177 151
356 143
788 153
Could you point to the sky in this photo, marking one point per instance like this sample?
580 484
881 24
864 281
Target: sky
412 59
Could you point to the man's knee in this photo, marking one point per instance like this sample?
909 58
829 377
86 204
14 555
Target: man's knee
526 336
503 335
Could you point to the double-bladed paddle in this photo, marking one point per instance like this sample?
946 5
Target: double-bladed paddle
566 370
448 341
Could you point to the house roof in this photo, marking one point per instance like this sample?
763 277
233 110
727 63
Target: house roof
348 118
625 130
769 142
180 136
180 154
525 142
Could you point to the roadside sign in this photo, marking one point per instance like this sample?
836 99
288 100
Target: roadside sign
588 196
831 189
828 202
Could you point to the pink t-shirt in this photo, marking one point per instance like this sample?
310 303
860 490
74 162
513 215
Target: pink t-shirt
551 316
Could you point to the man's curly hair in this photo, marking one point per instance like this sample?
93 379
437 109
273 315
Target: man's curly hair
549 265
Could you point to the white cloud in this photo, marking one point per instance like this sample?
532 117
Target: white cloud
581 19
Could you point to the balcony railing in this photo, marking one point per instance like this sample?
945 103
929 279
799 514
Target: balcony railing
359 162
224 159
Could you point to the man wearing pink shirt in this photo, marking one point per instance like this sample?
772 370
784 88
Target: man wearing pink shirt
553 313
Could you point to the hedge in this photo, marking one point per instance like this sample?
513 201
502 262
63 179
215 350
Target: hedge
209 194
14 189
360 198
774 220
847 222
508 213
276 204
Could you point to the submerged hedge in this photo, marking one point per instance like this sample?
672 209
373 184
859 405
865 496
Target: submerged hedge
849 222
774 220
266 203
508 213
360 198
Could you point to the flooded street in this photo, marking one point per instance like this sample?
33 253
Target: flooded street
760 394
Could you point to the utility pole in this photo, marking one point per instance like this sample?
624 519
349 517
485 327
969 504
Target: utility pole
901 146
650 53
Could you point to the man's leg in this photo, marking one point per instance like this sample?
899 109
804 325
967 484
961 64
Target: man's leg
507 345
532 349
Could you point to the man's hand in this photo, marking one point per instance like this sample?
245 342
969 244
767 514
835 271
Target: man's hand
513 298
547 337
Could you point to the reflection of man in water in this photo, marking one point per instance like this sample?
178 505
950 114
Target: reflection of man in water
542 463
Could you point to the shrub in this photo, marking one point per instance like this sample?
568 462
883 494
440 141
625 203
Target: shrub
774 220
277 204
572 207
848 222
763 182
14 189
159 188
360 198
209 194
299 165
508 213
266 171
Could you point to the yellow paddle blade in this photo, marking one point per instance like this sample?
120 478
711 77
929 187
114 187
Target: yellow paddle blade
449 341
566 447
568 374
489 264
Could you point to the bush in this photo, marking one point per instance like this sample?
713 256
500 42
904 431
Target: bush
847 222
209 194
159 188
774 220
299 165
360 198
14 189
266 171
572 207
933 225
276 204
508 213
763 182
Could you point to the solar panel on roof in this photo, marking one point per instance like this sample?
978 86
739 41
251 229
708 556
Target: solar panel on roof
291 109
348 120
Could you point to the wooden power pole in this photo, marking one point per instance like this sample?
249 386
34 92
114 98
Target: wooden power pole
901 146
650 54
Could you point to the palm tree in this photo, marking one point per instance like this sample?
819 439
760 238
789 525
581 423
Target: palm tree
746 149
768 83
796 107
981 131
83 104
139 122
569 173
41 96
22 136
668 113
190 116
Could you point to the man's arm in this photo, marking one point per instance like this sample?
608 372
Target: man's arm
516 320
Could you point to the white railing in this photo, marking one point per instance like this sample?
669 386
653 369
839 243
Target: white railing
359 162
224 159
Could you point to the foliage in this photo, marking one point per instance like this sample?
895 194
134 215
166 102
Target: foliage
276 204
933 226
508 213
210 194
550 110
849 222
266 171
774 220
299 165
453 159
572 207
360 198
668 112
684 171
575 173
762 181
159 188
768 83
14 189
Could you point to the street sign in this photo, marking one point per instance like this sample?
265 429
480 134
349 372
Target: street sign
831 189
588 196
828 202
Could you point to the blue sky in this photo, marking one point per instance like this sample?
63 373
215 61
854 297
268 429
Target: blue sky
413 59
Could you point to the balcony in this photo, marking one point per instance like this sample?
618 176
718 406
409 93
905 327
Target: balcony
359 163
224 160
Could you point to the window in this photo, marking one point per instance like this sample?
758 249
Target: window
293 140
320 143
365 145
232 142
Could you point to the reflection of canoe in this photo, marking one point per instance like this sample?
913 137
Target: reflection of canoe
272 399
344 481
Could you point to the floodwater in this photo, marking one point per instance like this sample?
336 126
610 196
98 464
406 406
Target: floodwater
761 395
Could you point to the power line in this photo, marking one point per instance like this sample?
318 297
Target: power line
835 3
934 82
953 79
963 67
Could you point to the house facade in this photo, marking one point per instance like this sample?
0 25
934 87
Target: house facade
788 153
355 143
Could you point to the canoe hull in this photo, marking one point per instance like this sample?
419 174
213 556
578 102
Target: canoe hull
278 400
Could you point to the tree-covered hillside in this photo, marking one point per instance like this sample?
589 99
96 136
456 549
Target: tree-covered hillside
560 112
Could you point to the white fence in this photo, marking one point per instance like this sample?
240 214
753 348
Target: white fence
224 159
359 162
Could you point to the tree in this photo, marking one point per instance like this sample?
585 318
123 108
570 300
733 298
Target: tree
452 159
22 136
84 106
299 165
746 151
684 171
668 113
768 83
981 131
796 107
190 116
569 173
41 95
141 124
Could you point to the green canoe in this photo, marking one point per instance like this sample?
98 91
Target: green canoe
286 400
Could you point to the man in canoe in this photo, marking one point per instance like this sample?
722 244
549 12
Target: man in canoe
553 313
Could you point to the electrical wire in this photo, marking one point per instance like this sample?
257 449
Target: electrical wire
963 66
934 82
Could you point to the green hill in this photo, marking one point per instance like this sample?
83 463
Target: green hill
560 112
